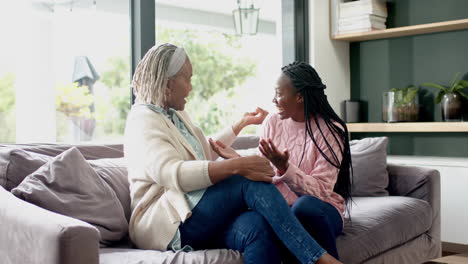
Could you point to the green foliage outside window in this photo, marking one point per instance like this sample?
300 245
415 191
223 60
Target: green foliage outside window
7 108
113 109
111 101
218 70
73 100
7 92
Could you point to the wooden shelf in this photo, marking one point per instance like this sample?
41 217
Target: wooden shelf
409 127
405 31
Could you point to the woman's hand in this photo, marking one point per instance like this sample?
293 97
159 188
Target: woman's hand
223 150
250 118
256 168
255 118
271 152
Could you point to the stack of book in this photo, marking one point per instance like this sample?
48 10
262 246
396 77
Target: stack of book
362 16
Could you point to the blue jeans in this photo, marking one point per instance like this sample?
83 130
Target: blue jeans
245 215
321 220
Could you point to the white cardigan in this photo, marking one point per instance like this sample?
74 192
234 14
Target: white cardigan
162 167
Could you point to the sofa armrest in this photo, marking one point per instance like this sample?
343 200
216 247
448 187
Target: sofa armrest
246 142
422 183
31 234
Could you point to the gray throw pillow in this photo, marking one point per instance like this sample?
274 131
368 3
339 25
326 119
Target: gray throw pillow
369 158
16 164
68 185
114 172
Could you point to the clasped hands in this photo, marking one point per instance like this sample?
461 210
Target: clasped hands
268 149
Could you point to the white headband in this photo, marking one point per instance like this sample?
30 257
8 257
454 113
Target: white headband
177 61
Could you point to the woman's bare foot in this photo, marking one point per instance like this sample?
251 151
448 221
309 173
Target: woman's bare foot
328 259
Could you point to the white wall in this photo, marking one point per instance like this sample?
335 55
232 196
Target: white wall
330 58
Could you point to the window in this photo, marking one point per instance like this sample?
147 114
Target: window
65 66
232 74
64 71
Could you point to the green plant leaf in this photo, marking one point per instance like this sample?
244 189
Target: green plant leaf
463 94
445 90
411 94
457 88
398 96
439 97
453 83
404 90
393 90
464 83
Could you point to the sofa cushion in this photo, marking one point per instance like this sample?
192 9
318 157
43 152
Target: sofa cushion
19 160
15 164
246 142
369 159
248 152
136 256
114 173
68 185
382 223
90 152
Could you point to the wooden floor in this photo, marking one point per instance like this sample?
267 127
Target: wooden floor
452 259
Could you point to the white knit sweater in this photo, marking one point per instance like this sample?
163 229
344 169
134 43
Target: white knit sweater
162 166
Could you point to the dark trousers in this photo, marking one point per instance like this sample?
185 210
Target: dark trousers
321 220
251 217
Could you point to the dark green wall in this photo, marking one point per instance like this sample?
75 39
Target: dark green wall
378 65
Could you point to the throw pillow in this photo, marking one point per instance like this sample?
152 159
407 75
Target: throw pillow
17 164
114 172
369 159
68 185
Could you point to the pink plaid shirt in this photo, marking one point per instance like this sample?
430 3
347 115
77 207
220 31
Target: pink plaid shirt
315 176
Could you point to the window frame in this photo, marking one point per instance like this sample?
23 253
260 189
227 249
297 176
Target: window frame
295 31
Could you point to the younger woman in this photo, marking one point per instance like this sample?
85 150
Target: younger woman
308 144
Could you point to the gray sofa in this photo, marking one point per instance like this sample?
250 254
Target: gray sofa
403 227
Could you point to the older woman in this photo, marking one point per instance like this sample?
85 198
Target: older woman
181 198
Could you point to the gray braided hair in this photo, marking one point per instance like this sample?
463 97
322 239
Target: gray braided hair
149 80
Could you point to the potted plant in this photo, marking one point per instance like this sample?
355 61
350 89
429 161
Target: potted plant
401 104
451 98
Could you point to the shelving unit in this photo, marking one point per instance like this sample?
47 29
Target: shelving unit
418 141
429 28
405 31
409 127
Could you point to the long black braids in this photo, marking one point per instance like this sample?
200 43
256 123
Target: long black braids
306 81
